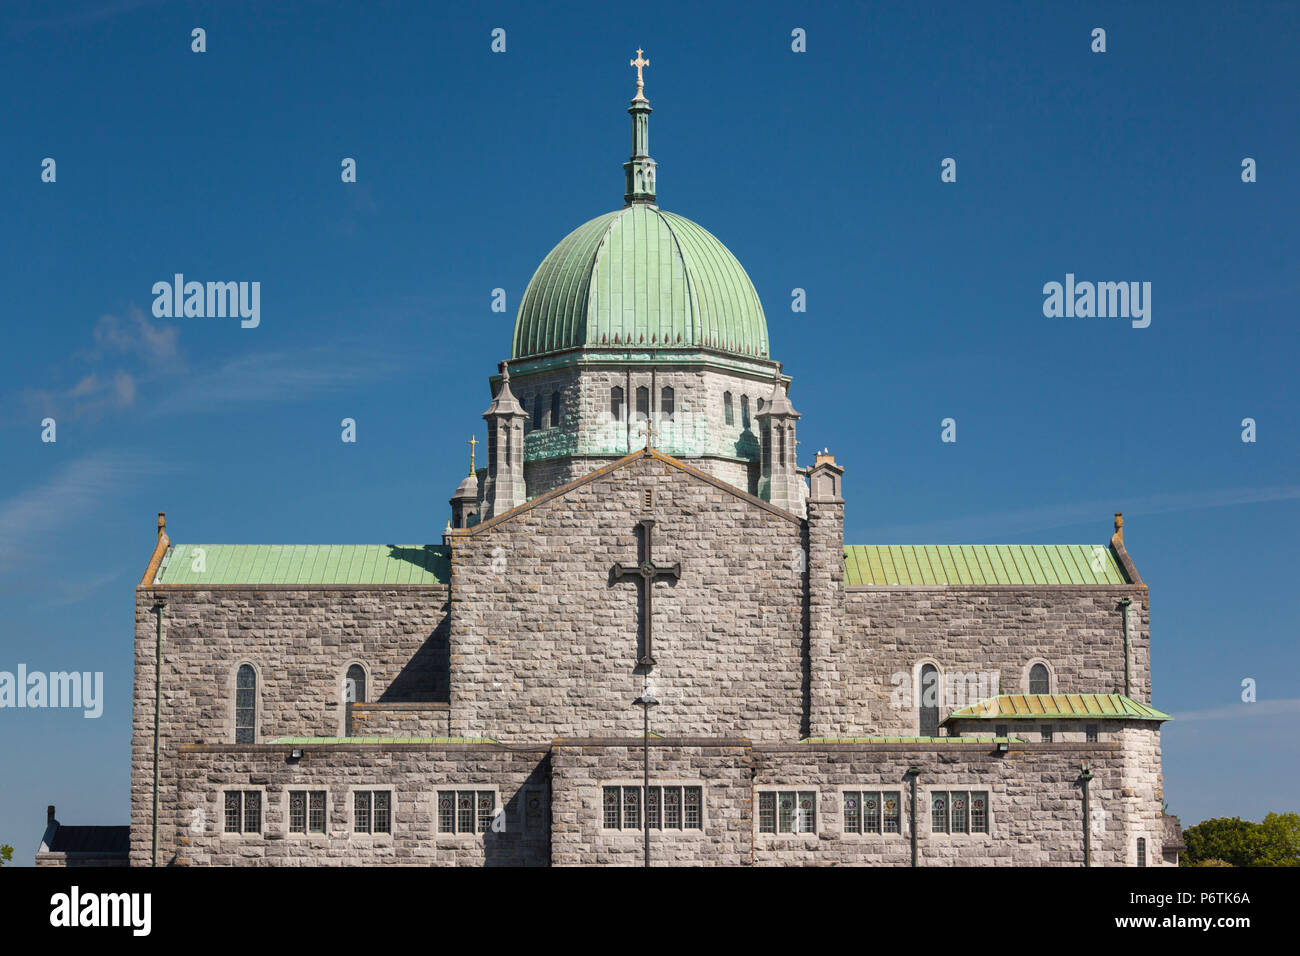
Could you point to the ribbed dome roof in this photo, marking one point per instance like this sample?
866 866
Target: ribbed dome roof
642 277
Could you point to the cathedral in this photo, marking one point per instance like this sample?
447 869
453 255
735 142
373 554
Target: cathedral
642 638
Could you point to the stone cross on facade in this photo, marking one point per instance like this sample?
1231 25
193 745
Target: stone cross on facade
647 428
647 571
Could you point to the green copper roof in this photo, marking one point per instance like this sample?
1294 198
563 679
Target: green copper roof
644 277
1035 706
288 564
976 564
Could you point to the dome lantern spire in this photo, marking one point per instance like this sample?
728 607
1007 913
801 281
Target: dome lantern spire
639 171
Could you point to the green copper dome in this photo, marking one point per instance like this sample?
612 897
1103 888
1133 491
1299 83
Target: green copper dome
640 277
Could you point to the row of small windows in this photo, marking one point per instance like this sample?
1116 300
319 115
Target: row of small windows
458 811
729 416
665 808
618 404
872 811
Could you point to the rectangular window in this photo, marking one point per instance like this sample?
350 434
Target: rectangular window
1046 731
959 811
1142 851
243 811
372 811
1090 733
1000 730
871 811
667 808
467 811
787 811
306 811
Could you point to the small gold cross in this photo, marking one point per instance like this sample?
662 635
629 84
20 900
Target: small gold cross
640 64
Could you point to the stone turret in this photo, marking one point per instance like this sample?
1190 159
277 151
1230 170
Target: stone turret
504 487
779 481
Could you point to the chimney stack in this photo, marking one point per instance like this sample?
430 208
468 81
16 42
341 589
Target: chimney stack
49 815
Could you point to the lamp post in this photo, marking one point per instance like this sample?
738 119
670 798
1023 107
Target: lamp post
1085 778
645 702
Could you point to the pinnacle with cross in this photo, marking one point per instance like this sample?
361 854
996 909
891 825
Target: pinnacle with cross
640 65
647 428
473 443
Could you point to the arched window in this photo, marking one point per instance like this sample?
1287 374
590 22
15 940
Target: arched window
246 705
555 409
744 412
537 411
929 703
760 406
666 399
354 692
616 403
1039 680
728 415
642 404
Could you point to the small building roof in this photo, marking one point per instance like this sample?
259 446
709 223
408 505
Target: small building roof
903 565
1033 706
305 564
99 840
1173 833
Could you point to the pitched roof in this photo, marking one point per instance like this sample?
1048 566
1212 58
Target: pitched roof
90 840
1173 833
905 565
1032 706
304 564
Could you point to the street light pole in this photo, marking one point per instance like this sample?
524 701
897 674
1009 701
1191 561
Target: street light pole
645 702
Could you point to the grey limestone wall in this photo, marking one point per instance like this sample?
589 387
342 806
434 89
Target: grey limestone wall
580 771
545 643
299 641
888 632
412 773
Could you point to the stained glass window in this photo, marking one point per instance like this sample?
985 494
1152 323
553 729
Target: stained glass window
487 804
852 813
246 705
891 805
316 812
958 804
361 811
666 808
446 811
298 811
613 800
694 808
383 812
233 811
939 813
243 811
929 701
673 808
767 812
979 813
870 811
1039 680
464 811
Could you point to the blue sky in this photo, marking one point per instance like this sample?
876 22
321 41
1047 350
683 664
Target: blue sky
819 170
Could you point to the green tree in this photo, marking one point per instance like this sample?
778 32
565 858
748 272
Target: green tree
1279 840
1229 839
6 853
1238 842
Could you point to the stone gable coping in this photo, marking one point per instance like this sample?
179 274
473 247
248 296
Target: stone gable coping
624 462
985 588
193 588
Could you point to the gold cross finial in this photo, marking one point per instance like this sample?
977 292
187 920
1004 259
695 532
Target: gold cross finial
473 444
640 64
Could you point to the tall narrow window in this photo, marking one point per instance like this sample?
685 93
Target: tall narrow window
537 411
1090 733
306 811
760 406
616 403
372 811
642 404
728 415
667 397
744 412
246 705
555 410
1039 680
243 811
1046 731
1142 851
929 701
354 692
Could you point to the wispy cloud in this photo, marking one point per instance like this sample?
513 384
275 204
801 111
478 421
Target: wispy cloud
1022 521
82 14
1242 711
71 495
